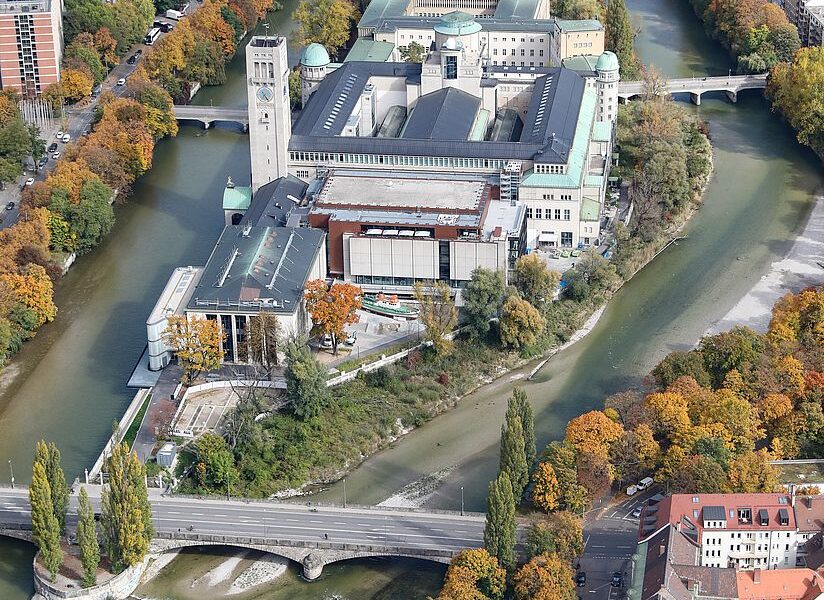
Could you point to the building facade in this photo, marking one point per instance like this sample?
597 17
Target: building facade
31 45
808 17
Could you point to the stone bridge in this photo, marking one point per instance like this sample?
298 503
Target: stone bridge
212 114
697 86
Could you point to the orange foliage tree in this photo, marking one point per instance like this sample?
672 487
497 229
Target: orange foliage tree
332 307
545 577
33 289
593 433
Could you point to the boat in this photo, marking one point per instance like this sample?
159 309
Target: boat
388 306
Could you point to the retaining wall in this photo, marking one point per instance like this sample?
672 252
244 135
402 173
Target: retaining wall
118 587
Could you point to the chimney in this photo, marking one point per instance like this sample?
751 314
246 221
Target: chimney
661 549
792 495
756 575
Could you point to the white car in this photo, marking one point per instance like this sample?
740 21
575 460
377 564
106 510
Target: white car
56 155
326 341
30 181
121 81
66 138
637 512
58 135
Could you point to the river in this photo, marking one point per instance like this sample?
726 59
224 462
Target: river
69 381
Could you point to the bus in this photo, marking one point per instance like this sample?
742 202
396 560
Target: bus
152 36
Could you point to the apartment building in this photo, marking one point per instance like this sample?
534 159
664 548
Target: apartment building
808 17
31 45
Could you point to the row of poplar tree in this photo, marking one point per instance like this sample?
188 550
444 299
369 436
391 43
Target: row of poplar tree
125 522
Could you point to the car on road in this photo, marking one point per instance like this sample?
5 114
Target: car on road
56 155
29 181
617 580
52 147
637 512
121 81
580 579
326 341
138 52
66 138
10 205
131 60
96 91
59 134
351 339
42 162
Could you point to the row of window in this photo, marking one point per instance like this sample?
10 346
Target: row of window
582 45
503 52
523 64
551 169
393 159
539 214
400 281
567 197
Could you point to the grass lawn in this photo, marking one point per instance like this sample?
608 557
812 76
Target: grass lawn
801 473
131 433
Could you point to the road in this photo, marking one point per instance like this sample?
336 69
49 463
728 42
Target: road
610 540
414 530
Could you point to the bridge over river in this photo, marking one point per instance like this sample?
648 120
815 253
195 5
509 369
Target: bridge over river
211 114
314 536
696 86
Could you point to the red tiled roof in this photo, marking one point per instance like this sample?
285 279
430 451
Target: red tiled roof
784 584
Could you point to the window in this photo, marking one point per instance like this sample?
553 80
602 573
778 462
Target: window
539 213
528 212
451 71
532 52
557 214
522 51
566 239
566 214
540 52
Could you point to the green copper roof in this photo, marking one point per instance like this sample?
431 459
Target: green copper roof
479 128
237 198
579 24
314 55
367 50
590 209
607 62
577 155
602 131
457 23
584 62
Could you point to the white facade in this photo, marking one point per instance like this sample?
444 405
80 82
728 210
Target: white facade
270 121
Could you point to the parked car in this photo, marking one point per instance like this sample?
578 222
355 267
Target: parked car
29 181
52 147
326 341
66 138
637 512
351 339
617 580
131 60
10 205
59 134
645 483
121 81
580 579
42 162
56 155
138 52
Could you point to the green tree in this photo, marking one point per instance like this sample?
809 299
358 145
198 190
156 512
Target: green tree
513 456
92 219
295 95
15 140
413 52
578 9
620 38
126 515
49 456
521 323
519 403
730 350
38 144
44 525
483 298
326 22
534 280
10 170
437 313
500 530
678 364
305 381
561 533
87 540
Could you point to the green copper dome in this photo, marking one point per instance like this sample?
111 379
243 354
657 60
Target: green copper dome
457 23
314 55
607 62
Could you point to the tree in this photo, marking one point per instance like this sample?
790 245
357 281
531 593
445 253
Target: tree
91 219
295 95
483 298
519 403
44 525
413 52
752 473
545 577
730 350
76 84
126 516
578 9
620 38
534 280
198 343
264 339
697 475
437 313
474 574
326 22
499 533
218 464
15 141
561 533
521 323
677 364
513 457
10 170
332 307
593 433
49 456
38 145
305 381
545 492
33 289
87 540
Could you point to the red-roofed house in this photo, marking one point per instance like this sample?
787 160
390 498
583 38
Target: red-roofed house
784 584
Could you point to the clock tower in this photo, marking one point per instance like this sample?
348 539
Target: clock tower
270 114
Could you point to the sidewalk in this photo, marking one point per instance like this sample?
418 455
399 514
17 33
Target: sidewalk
161 410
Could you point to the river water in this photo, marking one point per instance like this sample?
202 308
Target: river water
67 384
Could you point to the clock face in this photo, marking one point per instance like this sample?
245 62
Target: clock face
265 94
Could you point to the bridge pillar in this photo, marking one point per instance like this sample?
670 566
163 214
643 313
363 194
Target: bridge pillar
733 96
246 128
695 98
312 566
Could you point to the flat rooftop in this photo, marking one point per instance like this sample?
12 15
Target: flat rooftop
377 191
178 289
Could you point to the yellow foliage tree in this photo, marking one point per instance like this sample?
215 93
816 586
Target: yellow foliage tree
75 83
752 473
545 577
332 307
474 575
593 433
69 176
670 416
521 323
33 288
437 313
198 343
545 490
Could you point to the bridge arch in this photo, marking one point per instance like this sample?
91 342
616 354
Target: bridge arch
19 534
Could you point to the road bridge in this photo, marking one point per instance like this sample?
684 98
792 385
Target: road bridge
313 536
212 114
697 86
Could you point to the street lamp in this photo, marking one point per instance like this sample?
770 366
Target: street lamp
344 492
462 504
11 468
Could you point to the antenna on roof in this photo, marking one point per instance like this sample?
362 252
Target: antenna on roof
229 183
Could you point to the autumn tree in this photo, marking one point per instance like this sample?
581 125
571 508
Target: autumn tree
545 492
75 84
264 339
734 349
561 533
87 540
197 343
534 280
499 533
305 381
545 577
332 307
437 313
474 574
49 456
33 288
326 22
751 472
126 516
45 527
483 299
521 323
635 453
593 433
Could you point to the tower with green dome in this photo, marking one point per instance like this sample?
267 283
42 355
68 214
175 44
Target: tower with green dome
314 63
609 75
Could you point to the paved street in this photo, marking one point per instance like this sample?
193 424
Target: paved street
288 521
